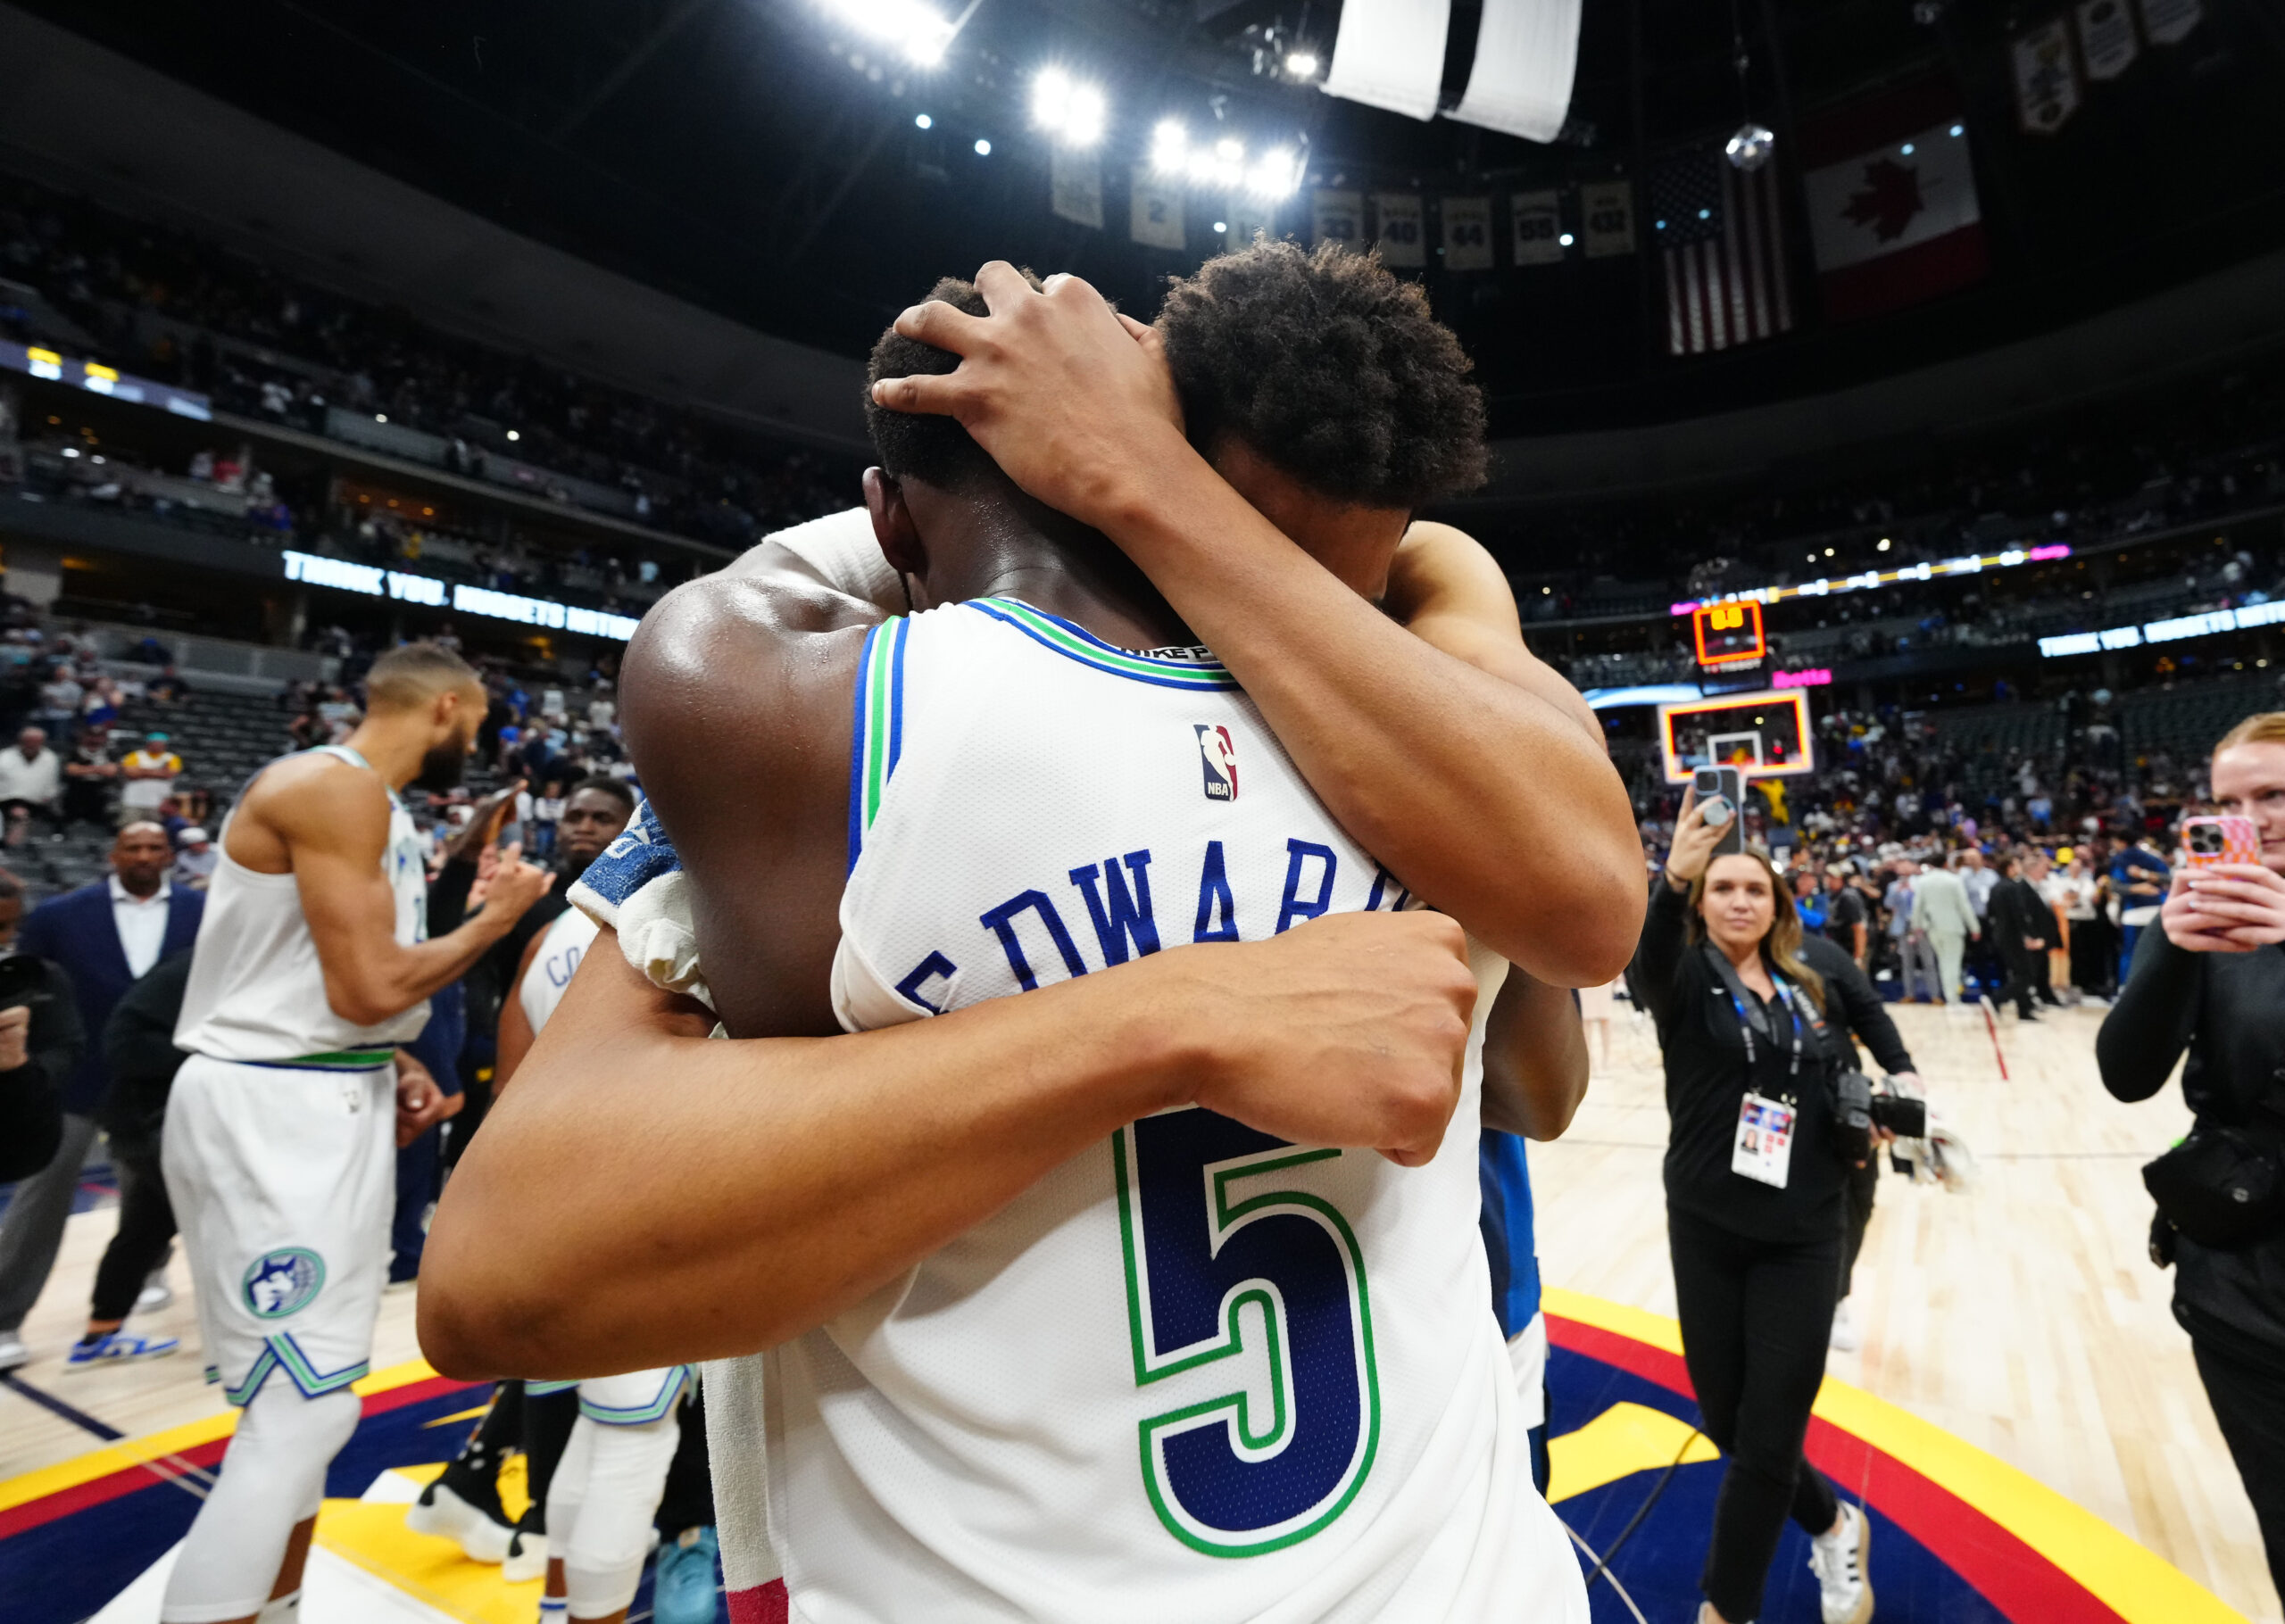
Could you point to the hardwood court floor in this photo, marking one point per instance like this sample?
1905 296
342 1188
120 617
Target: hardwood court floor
2024 1316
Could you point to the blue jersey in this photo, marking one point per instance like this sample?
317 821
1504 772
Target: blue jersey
1509 1244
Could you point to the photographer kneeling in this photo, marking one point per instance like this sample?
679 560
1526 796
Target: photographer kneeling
2211 979
1753 1176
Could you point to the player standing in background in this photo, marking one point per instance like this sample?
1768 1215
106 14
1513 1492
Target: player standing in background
311 967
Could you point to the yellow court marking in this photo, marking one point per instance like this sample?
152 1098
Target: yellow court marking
428 1569
2134 1582
446 1420
1623 1440
127 1452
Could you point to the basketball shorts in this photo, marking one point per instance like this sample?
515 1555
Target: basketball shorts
632 1400
283 1180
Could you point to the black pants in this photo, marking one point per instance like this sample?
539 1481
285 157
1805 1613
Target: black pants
688 1501
2021 974
147 1227
2249 1401
1864 1184
1755 1318
2094 954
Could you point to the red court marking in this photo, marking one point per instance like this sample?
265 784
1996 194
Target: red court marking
2014 1578
151 1474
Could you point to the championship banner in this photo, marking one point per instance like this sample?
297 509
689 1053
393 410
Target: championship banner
1537 229
1338 216
1074 186
1467 234
2047 79
2107 41
1401 238
1155 210
2168 22
1607 218
1893 214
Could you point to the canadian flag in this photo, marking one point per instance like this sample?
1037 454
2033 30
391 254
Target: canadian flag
1893 217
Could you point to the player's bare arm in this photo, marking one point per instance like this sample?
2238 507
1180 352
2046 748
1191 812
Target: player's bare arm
1534 1059
1444 770
319 819
1347 1030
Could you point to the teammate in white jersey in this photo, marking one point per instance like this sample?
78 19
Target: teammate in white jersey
1425 1505
312 965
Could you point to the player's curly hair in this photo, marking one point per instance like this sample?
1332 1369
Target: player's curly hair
1329 367
934 449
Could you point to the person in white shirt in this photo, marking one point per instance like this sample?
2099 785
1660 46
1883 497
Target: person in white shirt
149 774
195 862
31 780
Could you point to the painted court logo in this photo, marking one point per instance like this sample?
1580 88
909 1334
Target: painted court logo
1219 757
283 1281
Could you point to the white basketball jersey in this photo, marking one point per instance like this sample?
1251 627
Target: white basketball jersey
256 990
1196 1372
560 948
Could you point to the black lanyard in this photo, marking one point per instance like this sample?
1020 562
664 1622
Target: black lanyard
1737 992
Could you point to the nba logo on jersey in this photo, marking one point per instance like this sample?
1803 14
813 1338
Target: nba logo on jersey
281 1282
1219 757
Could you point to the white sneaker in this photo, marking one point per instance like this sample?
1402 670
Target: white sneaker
1844 1337
441 1512
526 1558
13 1354
1838 1559
154 1296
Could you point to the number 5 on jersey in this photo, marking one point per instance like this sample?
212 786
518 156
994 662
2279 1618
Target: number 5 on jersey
1224 1264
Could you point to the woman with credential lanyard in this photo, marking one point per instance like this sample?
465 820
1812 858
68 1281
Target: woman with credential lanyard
1754 1202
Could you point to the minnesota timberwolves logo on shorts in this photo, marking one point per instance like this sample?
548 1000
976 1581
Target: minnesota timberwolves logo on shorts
283 1280
1219 757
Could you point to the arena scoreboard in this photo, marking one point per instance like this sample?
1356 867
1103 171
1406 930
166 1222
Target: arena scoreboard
1728 633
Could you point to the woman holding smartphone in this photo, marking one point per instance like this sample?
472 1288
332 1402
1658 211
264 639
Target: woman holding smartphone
2210 978
1754 1202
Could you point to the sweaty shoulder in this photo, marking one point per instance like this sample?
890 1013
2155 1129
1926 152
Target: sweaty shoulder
315 801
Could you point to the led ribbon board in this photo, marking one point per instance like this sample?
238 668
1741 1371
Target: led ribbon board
96 379
1864 581
372 582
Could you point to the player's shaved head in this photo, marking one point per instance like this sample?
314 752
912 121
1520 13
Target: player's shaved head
913 445
410 677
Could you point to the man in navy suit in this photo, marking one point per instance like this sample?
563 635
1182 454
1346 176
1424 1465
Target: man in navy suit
106 936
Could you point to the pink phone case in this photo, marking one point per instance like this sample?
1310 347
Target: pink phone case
2241 841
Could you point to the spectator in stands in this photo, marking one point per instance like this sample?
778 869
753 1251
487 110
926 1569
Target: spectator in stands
31 780
167 688
1941 912
2070 893
602 710
195 858
58 702
106 936
87 778
147 777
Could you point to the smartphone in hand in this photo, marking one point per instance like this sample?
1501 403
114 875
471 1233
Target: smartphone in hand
1727 785
2224 839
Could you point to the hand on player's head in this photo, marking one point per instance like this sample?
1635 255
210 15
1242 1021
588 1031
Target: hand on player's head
1347 1030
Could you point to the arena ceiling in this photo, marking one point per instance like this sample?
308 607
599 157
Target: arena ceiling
756 157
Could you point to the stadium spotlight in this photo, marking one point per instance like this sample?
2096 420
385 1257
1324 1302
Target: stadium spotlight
919 30
1883 547
983 147
922 121
513 434
1221 226
1071 112
1169 145
1303 64
1274 175
1566 240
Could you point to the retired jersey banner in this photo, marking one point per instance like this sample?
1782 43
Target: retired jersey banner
2107 41
2046 78
2169 21
1890 188
1338 216
1537 226
1401 237
1154 217
1607 218
1467 234
1074 186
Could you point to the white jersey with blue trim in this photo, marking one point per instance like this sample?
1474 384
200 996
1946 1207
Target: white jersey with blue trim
256 991
1196 1372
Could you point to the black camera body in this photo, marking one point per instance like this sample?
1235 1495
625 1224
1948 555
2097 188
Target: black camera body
24 980
1859 1105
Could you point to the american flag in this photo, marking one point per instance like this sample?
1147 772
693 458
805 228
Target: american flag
1722 237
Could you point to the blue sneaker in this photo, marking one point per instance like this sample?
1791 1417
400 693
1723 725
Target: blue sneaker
119 1348
684 1590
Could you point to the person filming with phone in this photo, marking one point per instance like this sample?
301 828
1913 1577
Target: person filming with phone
1754 1168
2211 979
